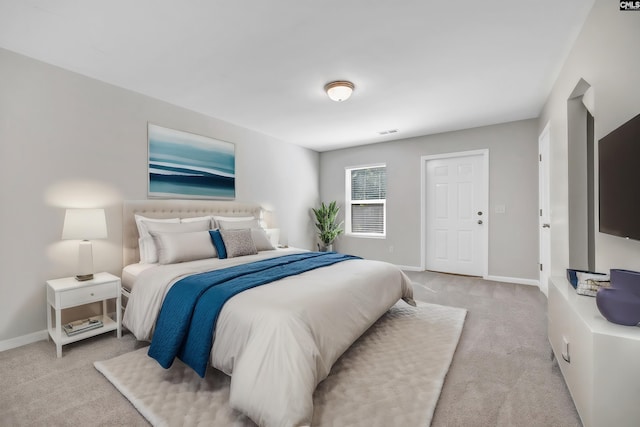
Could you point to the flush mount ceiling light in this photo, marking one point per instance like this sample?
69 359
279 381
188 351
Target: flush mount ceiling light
339 91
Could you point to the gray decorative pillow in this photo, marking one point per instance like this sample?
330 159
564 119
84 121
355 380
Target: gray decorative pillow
238 242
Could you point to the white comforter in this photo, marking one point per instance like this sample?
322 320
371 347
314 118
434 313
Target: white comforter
278 341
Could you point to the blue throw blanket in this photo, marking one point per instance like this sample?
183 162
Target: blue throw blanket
190 309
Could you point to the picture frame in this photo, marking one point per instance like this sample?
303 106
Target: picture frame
186 165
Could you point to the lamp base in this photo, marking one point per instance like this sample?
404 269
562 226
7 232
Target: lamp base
85 261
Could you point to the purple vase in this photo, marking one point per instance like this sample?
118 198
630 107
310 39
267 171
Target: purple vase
621 302
626 280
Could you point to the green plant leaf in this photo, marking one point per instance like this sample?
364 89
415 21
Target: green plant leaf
328 227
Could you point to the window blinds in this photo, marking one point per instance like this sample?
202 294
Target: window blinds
367 218
368 194
369 184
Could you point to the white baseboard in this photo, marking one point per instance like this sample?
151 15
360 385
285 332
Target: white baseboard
517 280
23 340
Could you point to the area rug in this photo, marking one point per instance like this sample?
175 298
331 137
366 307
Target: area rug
392 375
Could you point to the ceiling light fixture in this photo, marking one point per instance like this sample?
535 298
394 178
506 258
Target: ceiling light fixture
339 90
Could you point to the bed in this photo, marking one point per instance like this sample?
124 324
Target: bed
277 342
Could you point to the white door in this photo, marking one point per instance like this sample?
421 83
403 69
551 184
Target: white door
544 214
456 217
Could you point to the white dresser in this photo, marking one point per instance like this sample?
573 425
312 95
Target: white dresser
600 361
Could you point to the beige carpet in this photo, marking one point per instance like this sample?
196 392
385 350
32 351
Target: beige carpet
392 375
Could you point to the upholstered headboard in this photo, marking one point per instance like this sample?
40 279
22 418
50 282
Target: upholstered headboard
173 209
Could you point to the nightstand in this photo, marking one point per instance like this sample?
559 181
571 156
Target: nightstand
68 292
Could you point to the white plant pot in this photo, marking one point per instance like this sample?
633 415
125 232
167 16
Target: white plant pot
325 248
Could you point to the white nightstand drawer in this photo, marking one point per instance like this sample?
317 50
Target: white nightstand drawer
87 294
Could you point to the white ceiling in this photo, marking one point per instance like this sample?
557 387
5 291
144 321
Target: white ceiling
419 66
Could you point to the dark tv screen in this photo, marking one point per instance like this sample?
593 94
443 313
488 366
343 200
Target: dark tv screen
619 180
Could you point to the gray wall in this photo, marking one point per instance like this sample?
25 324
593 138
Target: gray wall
607 57
513 182
71 141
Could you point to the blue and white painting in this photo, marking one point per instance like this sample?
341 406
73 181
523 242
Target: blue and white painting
186 165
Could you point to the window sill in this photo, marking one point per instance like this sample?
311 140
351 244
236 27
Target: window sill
366 236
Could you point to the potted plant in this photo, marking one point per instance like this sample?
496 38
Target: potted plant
327 224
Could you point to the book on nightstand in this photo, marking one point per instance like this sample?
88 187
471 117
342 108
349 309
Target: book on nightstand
79 326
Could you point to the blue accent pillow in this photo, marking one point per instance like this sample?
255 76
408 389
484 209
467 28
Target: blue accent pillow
218 243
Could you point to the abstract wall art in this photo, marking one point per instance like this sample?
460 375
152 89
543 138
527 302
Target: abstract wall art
186 165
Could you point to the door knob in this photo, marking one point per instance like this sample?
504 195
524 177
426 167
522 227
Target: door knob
479 221
546 225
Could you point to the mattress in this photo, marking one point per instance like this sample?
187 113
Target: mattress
131 272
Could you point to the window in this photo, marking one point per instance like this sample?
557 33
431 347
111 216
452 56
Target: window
366 194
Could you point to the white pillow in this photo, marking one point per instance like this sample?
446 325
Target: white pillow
217 218
148 249
181 247
233 218
258 234
141 223
238 224
274 236
199 218
261 240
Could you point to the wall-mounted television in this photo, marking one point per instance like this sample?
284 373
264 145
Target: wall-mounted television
619 180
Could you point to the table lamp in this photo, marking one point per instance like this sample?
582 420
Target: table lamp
84 224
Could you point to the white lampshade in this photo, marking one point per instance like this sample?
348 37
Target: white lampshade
339 91
84 224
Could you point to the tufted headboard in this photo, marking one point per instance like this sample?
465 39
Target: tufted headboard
173 209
